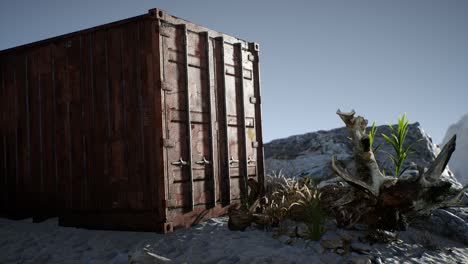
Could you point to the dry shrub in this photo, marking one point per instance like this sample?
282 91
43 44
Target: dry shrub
294 199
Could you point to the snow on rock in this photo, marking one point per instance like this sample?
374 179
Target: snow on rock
459 162
310 154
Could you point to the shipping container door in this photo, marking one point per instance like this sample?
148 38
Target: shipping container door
189 118
238 103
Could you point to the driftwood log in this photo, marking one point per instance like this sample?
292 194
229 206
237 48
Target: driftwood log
385 201
380 201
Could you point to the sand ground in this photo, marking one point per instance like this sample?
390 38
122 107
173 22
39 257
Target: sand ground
208 242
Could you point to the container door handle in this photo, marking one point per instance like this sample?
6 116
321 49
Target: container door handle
203 161
232 161
250 160
180 162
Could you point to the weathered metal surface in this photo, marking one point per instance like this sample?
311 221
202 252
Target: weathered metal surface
224 144
147 123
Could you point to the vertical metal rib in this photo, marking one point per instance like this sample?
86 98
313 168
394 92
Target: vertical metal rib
226 196
54 120
17 128
41 138
5 166
208 56
92 84
92 124
244 136
258 114
123 90
5 171
28 118
189 121
84 189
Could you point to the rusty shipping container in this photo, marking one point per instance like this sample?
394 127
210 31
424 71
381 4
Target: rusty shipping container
148 123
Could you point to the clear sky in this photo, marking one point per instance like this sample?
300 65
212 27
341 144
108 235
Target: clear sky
381 58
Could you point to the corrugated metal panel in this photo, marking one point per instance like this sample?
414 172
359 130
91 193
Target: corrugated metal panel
146 123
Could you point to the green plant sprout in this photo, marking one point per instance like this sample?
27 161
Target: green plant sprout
372 133
397 140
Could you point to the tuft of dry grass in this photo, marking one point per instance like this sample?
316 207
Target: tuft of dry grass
289 198
280 195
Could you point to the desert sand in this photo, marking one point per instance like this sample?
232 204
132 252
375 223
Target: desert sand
208 242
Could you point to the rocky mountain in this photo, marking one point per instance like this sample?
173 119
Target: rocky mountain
310 154
459 162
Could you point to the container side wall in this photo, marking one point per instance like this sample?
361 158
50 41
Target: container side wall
8 135
149 113
41 181
22 194
46 133
119 131
63 142
3 179
80 133
4 201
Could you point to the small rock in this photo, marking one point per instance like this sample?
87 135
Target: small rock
345 236
381 236
360 260
378 260
330 224
287 227
361 227
318 248
298 242
340 251
284 239
445 223
330 258
360 247
331 240
302 230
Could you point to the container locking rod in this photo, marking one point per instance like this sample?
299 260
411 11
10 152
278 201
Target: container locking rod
203 161
180 162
